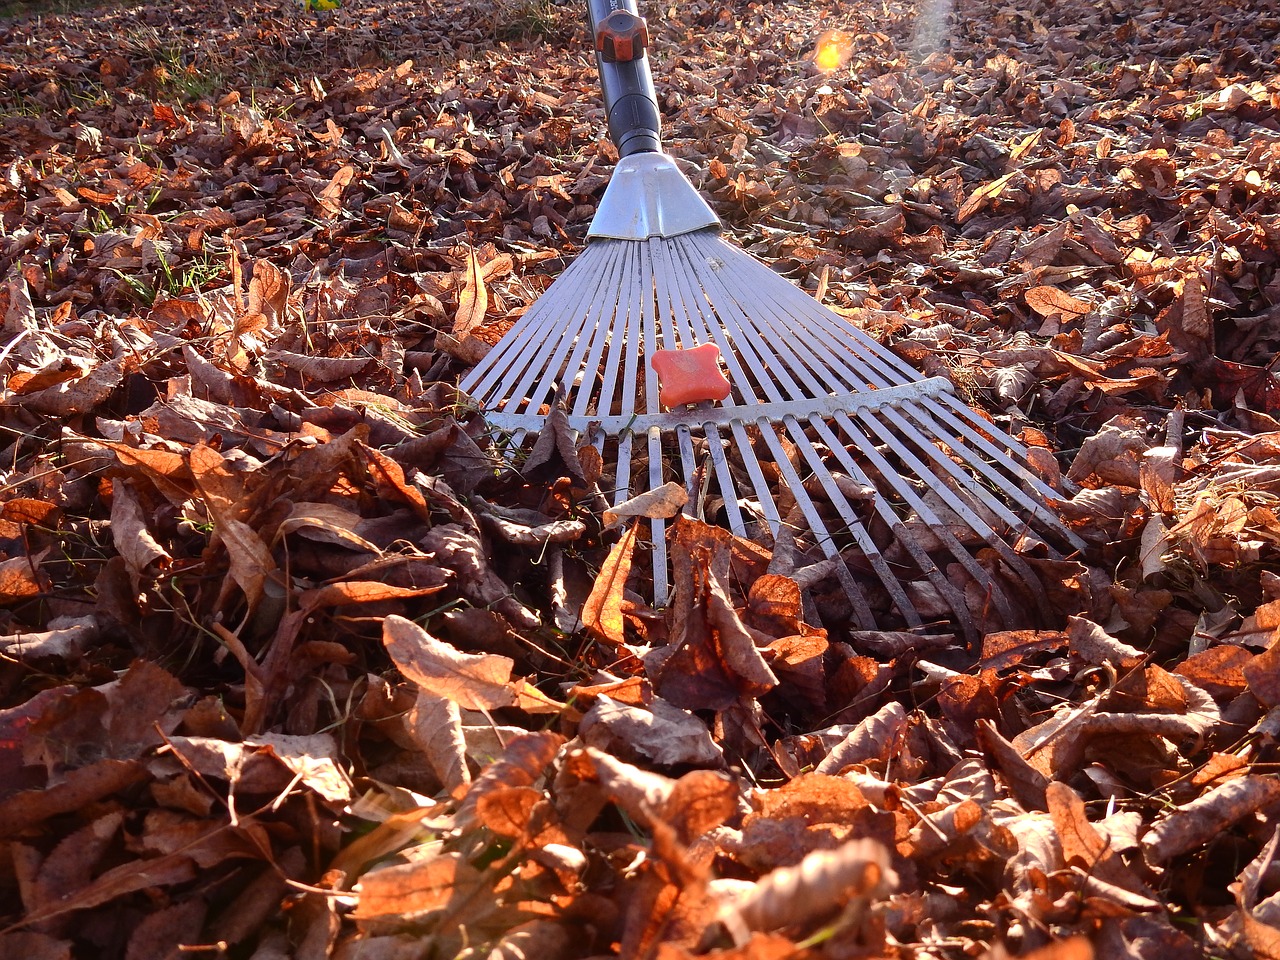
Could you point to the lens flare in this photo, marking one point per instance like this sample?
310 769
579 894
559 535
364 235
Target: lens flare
833 50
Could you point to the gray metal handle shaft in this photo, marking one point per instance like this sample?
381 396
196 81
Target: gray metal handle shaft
630 102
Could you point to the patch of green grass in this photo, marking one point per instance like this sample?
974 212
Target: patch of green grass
13 9
528 20
98 220
178 76
20 105
189 276
89 93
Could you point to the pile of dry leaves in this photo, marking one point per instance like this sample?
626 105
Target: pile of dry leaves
292 666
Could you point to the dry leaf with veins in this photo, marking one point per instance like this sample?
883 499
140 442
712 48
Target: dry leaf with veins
473 681
856 872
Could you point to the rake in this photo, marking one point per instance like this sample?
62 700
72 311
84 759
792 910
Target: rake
820 437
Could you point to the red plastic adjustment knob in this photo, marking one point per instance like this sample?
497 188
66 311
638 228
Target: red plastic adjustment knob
621 37
689 376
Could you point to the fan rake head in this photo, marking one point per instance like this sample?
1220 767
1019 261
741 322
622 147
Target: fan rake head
827 442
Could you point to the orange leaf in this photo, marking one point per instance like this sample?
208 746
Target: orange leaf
331 196
414 889
20 579
983 195
473 300
1048 301
602 613
506 810
25 510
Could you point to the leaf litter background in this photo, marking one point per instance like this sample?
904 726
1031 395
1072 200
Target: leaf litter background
291 669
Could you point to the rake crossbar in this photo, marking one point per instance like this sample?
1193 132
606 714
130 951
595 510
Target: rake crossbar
705 414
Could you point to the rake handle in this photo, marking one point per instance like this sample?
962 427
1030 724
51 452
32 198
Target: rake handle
630 102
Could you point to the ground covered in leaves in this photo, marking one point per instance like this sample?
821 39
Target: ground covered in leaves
291 667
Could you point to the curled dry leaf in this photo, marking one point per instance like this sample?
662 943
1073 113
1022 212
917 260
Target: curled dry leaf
700 801
67 637
435 723
714 662
1196 823
77 789
73 397
507 811
1113 455
641 794
143 555
320 369
411 891
21 579
313 759
943 829
1082 844
473 681
325 523
1026 784
330 197
872 739
661 502
523 761
473 300
464 554
249 557
1094 645
1262 674
659 732
823 881
984 196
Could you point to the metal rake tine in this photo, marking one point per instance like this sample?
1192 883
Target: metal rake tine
720 466
962 509
738 339
622 476
791 302
864 541
596 326
760 486
894 440
729 336
649 301
689 466
818 528
956 414
665 300
598 370
657 526
902 488
954 598
545 362
678 295
996 470
830 369
542 327
635 334
633 339
770 331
